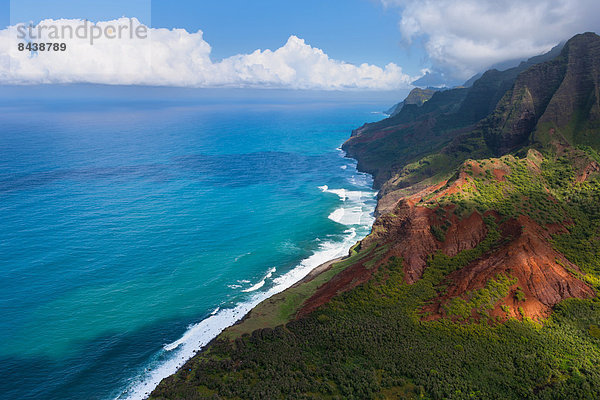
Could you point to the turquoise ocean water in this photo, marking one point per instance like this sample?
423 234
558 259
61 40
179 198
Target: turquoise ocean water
133 230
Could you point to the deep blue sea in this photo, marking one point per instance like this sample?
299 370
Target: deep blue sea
132 231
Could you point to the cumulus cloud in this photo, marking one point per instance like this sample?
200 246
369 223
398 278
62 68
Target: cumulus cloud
179 58
463 37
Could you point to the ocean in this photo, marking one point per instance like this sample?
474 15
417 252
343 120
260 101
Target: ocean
133 230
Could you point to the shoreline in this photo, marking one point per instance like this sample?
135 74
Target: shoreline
318 270
256 317
314 273
264 310
266 313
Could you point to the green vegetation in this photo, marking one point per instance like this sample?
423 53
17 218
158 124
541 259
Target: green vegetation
522 193
371 343
581 244
439 166
441 264
519 295
480 301
544 188
435 131
439 232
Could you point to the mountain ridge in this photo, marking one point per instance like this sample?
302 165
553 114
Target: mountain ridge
447 115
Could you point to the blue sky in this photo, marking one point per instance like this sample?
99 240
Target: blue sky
316 44
356 31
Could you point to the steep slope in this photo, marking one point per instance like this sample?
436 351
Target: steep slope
546 103
553 106
414 131
574 110
488 199
384 148
560 96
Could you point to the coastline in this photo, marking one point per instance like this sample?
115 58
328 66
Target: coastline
430 288
276 309
265 313
318 271
265 309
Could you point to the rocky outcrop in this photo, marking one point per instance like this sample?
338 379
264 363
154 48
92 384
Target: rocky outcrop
543 276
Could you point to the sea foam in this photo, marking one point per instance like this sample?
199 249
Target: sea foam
355 210
261 283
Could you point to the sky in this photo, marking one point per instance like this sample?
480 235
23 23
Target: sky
313 44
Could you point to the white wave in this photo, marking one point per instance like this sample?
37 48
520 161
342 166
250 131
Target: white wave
345 194
242 255
255 287
350 216
234 286
361 180
216 310
337 215
357 208
344 167
261 283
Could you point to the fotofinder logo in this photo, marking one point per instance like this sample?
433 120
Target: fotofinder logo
124 28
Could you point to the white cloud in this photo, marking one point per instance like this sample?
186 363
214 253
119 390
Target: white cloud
463 37
179 58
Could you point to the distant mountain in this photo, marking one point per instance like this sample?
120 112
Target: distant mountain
416 131
434 79
555 51
472 80
417 96
552 101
